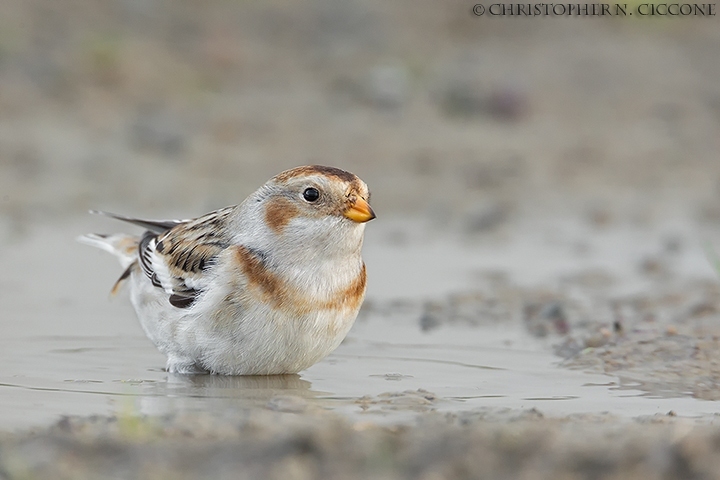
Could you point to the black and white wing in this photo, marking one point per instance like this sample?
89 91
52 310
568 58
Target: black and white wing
176 254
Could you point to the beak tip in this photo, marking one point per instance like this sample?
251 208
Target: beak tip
360 212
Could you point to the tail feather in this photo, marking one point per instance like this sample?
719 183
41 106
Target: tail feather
120 281
97 240
124 247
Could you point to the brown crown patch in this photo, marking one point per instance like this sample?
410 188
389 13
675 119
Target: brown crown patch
273 290
278 213
317 170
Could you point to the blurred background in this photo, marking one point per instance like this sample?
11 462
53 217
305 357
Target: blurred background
556 176
160 108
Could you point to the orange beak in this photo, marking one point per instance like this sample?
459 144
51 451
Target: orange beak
360 211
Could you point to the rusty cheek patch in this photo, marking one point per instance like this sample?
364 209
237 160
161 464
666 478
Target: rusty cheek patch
279 212
273 290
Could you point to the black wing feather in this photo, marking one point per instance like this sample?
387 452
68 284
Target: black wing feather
186 248
155 226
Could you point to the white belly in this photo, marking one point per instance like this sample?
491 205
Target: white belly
231 334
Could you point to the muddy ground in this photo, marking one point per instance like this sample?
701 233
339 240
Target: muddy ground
280 445
557 179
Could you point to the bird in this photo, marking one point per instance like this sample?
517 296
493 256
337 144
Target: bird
270 286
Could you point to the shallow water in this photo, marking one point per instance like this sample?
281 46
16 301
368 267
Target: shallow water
465 368
66 350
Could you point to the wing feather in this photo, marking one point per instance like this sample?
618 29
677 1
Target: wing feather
177 259
156 226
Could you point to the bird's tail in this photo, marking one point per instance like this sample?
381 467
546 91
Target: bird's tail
124 247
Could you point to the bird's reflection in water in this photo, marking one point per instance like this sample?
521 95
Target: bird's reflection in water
225 385
218 392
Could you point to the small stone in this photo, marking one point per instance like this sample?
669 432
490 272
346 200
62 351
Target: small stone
431 317
597 340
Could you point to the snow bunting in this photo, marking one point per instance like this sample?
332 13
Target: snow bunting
270 286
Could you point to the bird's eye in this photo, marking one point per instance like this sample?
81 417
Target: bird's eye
311 194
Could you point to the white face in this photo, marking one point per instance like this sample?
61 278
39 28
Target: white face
320 208
316 192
